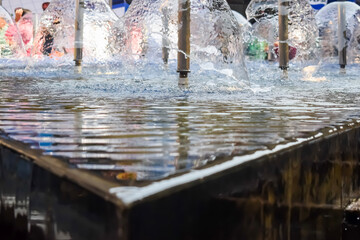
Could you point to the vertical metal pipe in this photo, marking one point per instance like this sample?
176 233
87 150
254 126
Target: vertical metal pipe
79 32
184 39
110 3
283 34
165 34
0 2
342 35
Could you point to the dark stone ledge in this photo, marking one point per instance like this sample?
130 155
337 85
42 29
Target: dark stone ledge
297 193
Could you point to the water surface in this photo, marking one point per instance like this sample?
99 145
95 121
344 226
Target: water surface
144 128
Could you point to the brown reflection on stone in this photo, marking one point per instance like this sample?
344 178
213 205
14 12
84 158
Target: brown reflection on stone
300 193
259 220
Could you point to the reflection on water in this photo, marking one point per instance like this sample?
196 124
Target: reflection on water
151 131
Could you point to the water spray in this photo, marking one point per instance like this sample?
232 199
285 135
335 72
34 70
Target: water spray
35 20
283 34
184 41
342 35
270 51
79 33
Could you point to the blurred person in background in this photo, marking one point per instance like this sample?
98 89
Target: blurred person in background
45 5
23 20
4 44
47 38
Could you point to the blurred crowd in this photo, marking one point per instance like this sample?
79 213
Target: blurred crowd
20 33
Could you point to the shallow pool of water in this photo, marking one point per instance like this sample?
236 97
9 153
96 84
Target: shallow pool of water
145 128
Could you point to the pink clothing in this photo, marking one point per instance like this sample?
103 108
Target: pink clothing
11 33
25 27
26 30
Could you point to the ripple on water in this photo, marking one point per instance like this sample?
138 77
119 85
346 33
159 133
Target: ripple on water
152 128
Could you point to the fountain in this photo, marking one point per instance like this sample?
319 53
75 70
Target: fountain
127 153
150 27
354 53
11 42
242 21
335 30
55 38
302 32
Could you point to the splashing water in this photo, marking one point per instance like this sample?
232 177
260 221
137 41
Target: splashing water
303 31
148 32
327 20
354 44
56 33
242 21
11 43
154 129
136 124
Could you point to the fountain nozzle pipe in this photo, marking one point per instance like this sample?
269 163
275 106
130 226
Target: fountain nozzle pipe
342 35
79 32
183 57
77 62
283 34
183 74
110 3
165 35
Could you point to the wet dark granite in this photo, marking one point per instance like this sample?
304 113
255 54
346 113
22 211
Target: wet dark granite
37 205
297 193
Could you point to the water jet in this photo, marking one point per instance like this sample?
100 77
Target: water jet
334 21
273 20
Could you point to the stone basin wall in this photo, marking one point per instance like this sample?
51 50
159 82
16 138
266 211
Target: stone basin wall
297 193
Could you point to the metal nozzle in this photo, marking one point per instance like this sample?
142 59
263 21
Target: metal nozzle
283 34
184 38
